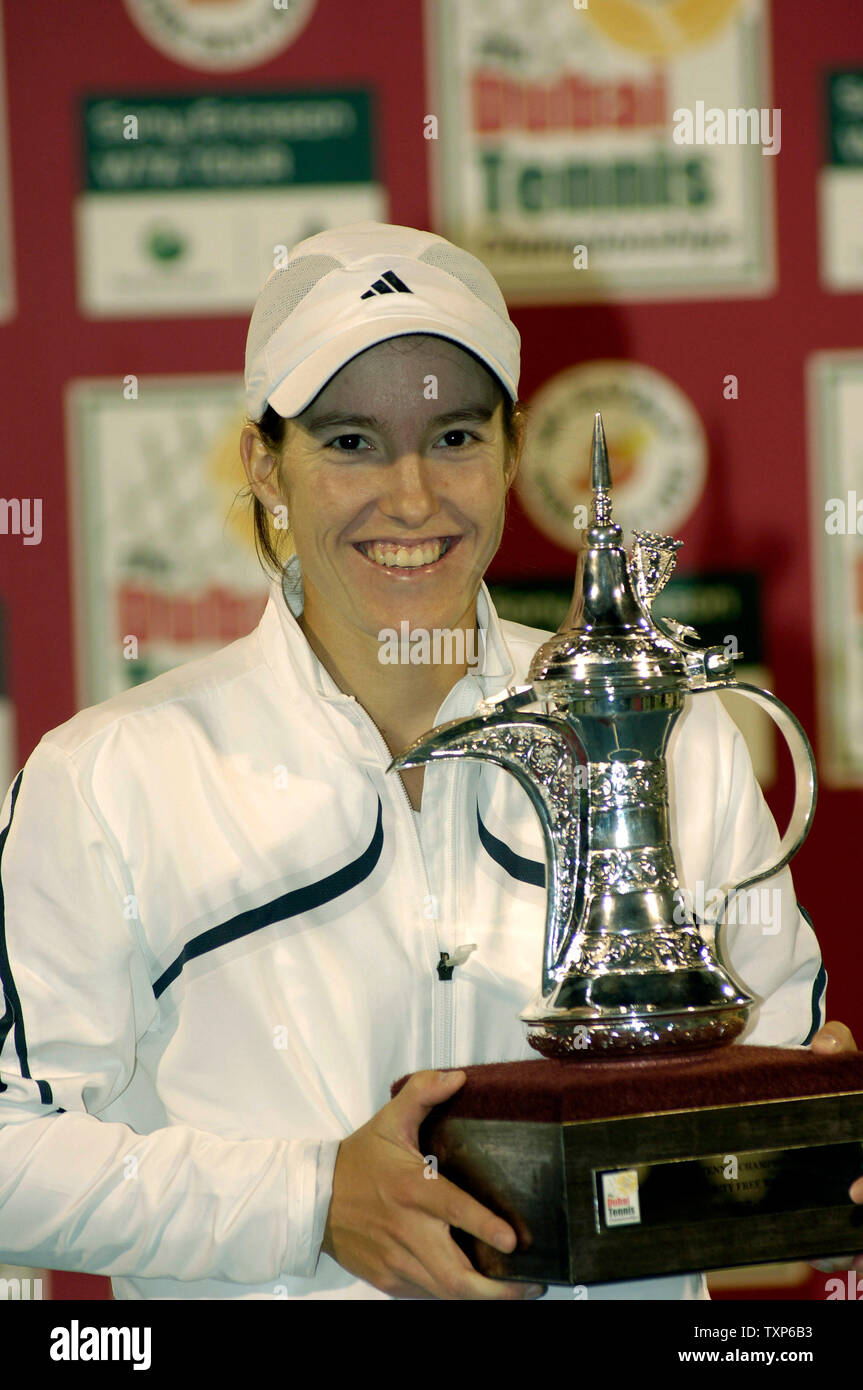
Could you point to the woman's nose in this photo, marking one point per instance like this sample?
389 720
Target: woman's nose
408 494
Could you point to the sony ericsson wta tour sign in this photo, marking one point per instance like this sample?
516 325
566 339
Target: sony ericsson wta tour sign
616 148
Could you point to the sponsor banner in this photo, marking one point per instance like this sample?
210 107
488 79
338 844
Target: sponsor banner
7 274
657 449
840 190
164 559
190 201
724 607
617 149
225 35
836 473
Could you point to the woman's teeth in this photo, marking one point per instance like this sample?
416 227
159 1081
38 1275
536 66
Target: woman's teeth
404 556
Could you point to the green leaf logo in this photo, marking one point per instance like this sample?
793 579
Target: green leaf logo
165 244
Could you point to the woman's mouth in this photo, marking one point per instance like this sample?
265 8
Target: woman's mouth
407 555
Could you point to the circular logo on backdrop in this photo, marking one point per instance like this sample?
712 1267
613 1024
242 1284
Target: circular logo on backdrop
220 33
660 28
657 450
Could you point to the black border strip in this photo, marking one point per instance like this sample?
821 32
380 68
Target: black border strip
279 909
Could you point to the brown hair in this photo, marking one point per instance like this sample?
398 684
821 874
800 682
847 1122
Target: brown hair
269 540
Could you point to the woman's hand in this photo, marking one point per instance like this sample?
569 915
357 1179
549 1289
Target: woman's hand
833 1038
389 1221
830 1041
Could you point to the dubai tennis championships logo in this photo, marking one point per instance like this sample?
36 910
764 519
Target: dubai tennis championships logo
227 34
656 447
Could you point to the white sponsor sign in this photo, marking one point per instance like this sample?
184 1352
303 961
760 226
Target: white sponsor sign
164 560
836 483
840 184
563 157
190 201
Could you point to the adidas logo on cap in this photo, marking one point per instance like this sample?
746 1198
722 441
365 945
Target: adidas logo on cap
389 283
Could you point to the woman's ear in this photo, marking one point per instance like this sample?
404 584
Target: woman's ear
515 454
261 468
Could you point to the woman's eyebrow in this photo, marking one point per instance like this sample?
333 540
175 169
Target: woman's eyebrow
327 420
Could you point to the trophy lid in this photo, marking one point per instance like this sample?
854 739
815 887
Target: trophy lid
609 636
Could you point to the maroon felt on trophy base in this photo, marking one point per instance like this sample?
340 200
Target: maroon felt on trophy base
560 1091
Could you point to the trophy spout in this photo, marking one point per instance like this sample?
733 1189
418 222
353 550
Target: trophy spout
546 757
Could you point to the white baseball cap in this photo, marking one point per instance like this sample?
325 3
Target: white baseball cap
343 290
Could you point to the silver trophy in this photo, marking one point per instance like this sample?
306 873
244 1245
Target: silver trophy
626 968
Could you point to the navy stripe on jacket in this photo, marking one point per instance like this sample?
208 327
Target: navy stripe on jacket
279 909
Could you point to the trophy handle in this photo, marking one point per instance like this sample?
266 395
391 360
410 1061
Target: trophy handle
806 786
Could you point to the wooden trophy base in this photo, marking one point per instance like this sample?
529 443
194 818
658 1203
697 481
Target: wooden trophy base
624 1170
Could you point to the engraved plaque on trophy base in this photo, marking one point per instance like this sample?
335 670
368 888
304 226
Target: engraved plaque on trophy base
658 1166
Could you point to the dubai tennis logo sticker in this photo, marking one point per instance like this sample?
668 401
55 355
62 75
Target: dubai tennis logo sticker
656 446
620 1198
229 34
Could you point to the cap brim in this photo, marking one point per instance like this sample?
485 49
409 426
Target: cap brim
305 381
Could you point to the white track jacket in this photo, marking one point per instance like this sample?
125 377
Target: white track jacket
220 926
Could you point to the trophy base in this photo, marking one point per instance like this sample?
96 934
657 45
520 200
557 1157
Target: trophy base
670 1033
626 1170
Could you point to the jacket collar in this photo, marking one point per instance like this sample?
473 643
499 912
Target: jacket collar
291 658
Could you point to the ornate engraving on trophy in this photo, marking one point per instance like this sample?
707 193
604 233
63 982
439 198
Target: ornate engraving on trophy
615 785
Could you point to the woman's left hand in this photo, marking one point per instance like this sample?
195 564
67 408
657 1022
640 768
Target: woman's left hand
830 1041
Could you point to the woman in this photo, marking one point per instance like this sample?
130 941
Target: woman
240 929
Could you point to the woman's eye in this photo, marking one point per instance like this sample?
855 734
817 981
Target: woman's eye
455 439
347 443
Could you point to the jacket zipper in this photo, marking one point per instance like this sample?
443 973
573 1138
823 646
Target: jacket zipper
447 962
446 965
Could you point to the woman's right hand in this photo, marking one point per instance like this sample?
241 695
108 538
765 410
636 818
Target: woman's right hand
388 1222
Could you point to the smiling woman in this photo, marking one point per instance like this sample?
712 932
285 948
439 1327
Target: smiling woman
391 432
